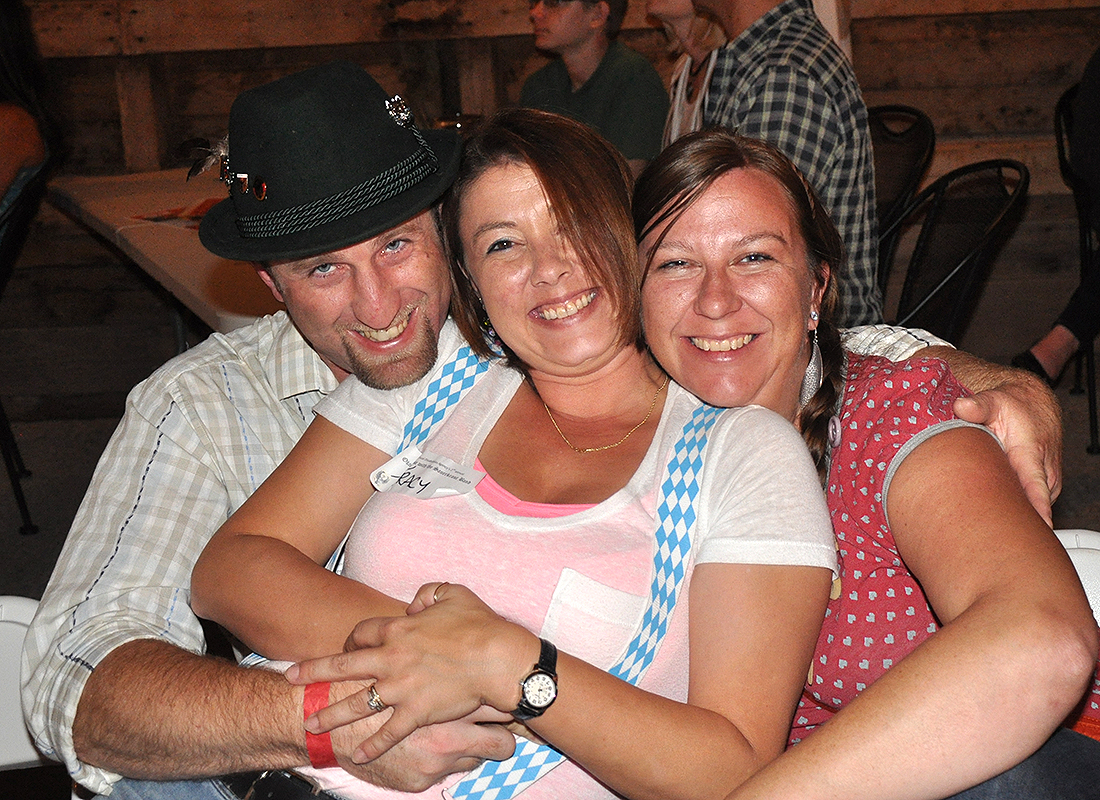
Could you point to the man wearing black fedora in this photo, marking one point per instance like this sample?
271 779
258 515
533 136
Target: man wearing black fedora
332 190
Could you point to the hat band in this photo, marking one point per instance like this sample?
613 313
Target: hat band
378 189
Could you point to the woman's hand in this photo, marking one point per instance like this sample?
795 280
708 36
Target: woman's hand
451 656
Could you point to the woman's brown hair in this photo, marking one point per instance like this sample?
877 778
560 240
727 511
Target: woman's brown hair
587 185
685 170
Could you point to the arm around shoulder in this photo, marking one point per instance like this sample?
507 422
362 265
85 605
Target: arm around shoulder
1022 411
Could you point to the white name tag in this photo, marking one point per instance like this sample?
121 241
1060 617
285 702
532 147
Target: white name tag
424 475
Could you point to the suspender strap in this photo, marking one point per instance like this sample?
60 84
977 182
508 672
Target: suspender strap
501 780
458 376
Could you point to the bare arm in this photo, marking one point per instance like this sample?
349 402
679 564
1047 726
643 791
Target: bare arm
222 718
1023 412
249 714
1015 652
747 669
262 575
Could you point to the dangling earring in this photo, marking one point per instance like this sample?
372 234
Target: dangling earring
490 336
815 374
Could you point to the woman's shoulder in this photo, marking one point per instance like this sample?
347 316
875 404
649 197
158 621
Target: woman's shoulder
733 434
868 377
886 403
445 386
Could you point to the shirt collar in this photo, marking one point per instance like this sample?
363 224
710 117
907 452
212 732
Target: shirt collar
753 35
295 366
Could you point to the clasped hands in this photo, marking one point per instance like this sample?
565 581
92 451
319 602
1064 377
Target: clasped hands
451 656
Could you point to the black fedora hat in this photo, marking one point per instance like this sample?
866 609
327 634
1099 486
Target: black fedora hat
320 160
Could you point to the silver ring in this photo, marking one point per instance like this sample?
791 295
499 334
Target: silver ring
435 594
374 701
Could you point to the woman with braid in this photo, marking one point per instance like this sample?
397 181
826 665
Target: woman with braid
957 638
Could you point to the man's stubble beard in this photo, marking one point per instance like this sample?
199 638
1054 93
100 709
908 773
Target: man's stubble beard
401 369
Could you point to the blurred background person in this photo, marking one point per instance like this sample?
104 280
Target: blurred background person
696 37
1079 322
596 78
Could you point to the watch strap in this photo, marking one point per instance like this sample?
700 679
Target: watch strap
548 658
547 665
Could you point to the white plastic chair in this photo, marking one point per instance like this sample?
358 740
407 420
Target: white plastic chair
1084 551
16 749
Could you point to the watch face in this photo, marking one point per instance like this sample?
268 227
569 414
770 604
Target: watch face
539 690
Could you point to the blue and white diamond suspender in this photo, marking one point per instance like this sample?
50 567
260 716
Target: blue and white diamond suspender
458 376
501 780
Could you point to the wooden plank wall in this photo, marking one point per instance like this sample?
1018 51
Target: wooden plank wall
989 81
130 79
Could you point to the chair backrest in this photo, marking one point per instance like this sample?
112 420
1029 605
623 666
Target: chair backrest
15 223
16 750
904 140
962 216
1083 547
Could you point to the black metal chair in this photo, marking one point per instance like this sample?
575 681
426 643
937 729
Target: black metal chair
1089 245
904 140
961 216
14 226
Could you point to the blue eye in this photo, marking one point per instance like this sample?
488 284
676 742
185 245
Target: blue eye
323 269
395 245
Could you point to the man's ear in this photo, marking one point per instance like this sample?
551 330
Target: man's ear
265 275
600 12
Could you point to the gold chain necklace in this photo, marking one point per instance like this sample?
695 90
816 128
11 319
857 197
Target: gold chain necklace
648 414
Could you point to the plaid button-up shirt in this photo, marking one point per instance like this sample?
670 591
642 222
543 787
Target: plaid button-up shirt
784 80
197 438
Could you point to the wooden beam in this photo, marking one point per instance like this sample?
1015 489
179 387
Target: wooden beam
135 27
86 28
77 28
1038 153
141 135
477 84
869 9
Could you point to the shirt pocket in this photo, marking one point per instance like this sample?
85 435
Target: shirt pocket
592 621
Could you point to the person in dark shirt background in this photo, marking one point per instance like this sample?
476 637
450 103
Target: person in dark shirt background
596 79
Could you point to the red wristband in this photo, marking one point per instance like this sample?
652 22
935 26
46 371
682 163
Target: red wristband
318 745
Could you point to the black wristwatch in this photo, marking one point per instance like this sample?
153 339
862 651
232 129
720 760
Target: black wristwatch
540 688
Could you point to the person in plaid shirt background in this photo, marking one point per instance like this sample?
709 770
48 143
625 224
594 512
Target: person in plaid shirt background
783 79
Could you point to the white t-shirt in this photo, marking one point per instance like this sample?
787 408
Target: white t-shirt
582 580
